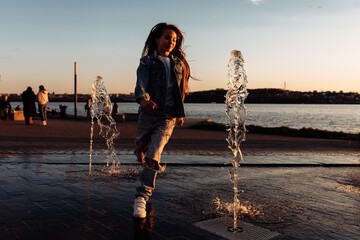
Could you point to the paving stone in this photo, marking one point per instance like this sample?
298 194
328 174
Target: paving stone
51 201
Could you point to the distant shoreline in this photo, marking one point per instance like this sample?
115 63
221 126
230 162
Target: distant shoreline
261 95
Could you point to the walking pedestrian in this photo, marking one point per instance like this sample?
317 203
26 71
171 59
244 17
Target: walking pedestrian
42 101
87 108
28 98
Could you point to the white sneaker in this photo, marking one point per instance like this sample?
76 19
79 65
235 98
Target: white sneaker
139 207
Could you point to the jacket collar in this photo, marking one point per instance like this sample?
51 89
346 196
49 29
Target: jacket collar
156 55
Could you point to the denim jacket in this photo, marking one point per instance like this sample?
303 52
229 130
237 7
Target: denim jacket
151 83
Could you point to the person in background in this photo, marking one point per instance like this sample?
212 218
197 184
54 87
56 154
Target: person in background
63 111
28 98
162 81
115 110
42 101
5 107
88 109
17 108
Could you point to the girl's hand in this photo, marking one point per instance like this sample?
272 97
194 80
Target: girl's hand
148 105
179 121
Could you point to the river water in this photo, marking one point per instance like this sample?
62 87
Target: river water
331 117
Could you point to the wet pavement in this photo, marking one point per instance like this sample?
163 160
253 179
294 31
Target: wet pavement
50 196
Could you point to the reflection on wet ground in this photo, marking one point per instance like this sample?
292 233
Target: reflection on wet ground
143 226
187 159
51 195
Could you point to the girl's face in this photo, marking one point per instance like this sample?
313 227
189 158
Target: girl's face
166 42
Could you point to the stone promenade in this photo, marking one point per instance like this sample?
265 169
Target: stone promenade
299 188
50 196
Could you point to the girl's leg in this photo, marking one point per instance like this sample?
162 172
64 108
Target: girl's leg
163 129
143 135
152 135
147 180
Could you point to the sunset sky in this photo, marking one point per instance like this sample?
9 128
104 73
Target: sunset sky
310 44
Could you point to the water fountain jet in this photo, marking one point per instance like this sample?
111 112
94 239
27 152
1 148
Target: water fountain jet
237 114
101 110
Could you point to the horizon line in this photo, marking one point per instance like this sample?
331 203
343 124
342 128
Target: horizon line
215 89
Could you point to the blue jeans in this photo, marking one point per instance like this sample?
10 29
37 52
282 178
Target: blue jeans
42 110
153 133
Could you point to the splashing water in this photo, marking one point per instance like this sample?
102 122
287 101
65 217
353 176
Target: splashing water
237 113
101 109
245 209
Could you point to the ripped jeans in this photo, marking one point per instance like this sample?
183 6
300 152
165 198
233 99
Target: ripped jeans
153 132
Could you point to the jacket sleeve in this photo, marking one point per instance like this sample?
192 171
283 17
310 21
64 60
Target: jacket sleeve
142 81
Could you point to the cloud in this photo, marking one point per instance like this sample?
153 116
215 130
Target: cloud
256 2
318 7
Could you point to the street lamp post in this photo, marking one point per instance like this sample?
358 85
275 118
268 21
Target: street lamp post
75 89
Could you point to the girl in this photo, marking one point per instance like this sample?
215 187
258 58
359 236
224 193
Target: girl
162 81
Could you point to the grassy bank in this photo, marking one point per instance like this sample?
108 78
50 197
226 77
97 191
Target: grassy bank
284 131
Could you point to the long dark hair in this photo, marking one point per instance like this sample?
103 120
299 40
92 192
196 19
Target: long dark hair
151 46
42 88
